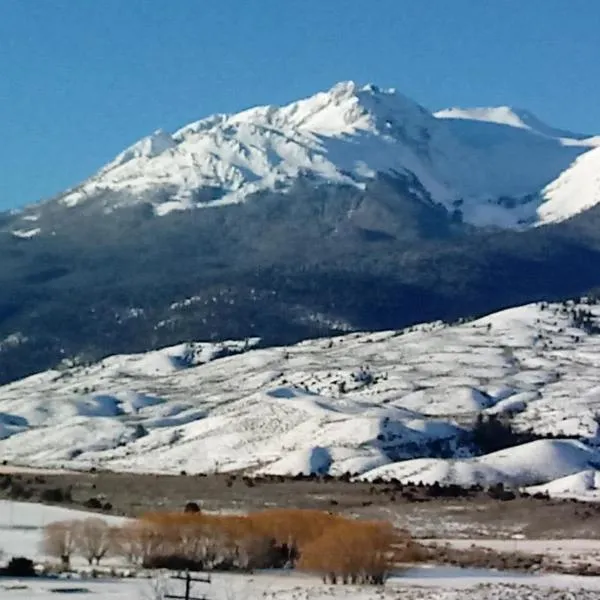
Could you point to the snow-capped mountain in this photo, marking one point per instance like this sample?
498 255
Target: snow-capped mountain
391 403
348 136
353 209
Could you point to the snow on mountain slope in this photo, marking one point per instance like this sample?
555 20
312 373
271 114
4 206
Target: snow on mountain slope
347 404
511 116
524 465
574 191
347 135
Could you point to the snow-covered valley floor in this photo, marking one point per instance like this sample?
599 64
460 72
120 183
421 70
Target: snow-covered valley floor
395 404
21 528
415 584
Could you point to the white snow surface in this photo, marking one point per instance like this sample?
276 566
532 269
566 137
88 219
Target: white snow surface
575 190
511 116
346 135
524 465
374 404
439 583
584 485
26 233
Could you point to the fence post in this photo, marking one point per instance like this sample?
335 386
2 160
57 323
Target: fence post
188 579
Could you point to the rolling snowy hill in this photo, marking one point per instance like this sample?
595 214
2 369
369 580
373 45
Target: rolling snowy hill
525 465
365 403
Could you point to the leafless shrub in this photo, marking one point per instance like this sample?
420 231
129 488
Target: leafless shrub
352 552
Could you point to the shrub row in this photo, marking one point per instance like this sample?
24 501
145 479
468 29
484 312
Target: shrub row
339 549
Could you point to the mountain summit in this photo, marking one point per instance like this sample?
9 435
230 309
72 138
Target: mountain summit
348 135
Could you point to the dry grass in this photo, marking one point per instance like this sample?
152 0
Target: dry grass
476 515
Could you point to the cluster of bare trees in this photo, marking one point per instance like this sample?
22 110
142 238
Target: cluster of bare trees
90 538
337 548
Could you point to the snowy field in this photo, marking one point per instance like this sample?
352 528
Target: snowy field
22 525
417 584
21 530
376 404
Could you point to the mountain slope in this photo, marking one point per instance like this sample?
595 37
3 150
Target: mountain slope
574 191
354 209
283 267
353 403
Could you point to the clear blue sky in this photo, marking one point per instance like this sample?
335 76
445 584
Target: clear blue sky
82 79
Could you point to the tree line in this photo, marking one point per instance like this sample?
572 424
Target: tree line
337 548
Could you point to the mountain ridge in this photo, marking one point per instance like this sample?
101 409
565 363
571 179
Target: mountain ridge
348 135
512 116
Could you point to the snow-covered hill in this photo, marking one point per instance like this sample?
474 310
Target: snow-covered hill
489 164
359 403
584 485
525 465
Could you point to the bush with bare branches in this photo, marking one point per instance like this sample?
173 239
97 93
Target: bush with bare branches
291 529
352 552
338 548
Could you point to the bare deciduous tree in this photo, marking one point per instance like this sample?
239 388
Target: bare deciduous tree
59 541
92 539
137 541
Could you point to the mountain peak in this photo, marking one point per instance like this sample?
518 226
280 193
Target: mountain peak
146 148
352 88
344 88
349 107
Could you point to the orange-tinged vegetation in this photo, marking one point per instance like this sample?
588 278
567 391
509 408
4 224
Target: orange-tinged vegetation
335 547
